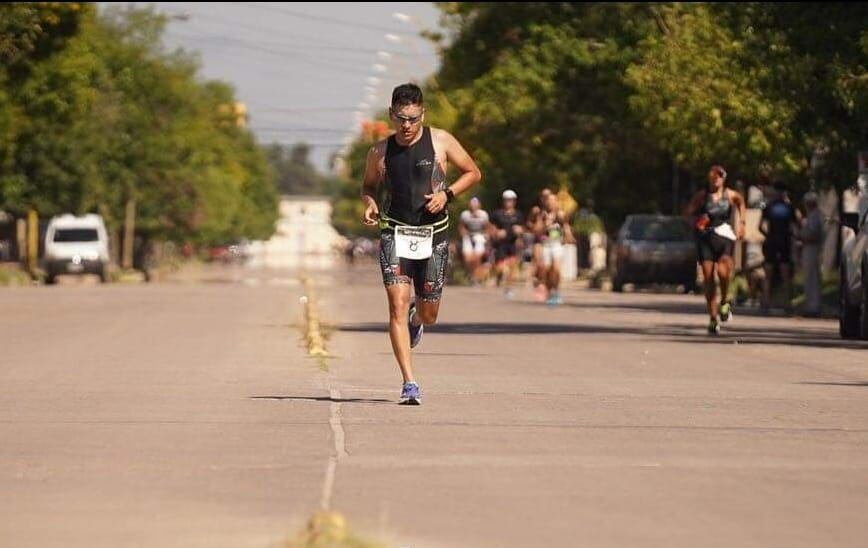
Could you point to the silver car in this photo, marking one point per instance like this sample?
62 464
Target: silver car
853 288
654 249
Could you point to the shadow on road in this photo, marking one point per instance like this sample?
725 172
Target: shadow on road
841 383
685 333
671 307
449 354
323 399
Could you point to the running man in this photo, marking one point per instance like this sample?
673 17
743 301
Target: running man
408 170
779 220
555 232
506 229
535 228
712 209
473 226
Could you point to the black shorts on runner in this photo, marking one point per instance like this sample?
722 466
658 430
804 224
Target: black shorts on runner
427 275
505 251
711 247
776 253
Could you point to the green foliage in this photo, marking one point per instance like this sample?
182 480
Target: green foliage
110 116
293 171
701 90
610 99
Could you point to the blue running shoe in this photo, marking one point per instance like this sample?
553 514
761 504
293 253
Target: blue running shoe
415 331
554 299
411 394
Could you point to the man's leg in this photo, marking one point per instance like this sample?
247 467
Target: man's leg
510 265
541 291
539 269
399 307
768 273
554 277
787 281
470 264
426 312
479 268
429 281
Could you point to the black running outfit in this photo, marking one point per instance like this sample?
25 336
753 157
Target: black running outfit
411 173
711 246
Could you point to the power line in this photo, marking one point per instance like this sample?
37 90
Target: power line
323 18
313 40
276 129
317 46
304 109
302 141
296 56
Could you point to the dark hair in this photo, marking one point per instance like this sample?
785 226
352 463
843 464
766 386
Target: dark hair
718 170
406 94
780 186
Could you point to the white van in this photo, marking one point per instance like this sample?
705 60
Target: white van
76 245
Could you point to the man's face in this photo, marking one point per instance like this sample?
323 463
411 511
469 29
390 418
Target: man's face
508 203
407 120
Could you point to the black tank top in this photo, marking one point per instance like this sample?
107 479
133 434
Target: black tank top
411 173
719 212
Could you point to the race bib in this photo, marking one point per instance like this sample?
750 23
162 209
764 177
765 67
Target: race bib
414 242
725 231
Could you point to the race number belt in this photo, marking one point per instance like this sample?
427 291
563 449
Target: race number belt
414 242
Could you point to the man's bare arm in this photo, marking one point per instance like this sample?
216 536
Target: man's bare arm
470 174
457 156
370 183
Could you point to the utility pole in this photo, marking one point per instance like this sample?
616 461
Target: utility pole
675 184
32 240
129 234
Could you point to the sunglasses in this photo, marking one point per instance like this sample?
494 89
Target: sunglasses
411 119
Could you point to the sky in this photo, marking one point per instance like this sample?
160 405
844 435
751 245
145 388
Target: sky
306 71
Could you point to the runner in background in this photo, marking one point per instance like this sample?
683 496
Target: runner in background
506 230
473 228
535 228
712 211
556 231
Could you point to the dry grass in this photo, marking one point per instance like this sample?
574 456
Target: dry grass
329 530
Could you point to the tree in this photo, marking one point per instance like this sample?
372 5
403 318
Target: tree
293 171
111 117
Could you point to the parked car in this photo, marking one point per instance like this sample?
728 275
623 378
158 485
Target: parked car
654 249
235 252
853 285
76 245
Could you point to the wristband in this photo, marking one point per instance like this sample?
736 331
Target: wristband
449 195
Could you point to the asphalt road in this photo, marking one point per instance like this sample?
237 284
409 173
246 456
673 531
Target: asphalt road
187 414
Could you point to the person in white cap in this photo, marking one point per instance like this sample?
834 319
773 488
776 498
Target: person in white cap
473 227
812 241
507 227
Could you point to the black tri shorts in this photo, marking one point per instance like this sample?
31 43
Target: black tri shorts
711 247
427 275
